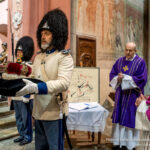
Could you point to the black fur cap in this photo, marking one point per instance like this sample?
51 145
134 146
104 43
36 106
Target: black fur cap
27 45
58 26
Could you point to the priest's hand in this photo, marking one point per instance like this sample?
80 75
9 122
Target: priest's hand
29 88
139 100
120 77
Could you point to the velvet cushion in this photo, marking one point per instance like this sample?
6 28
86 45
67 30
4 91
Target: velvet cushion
10 87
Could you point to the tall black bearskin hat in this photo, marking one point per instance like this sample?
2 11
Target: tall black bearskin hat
25 44
56 22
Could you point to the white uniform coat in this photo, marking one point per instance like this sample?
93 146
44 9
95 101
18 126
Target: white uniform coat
56 70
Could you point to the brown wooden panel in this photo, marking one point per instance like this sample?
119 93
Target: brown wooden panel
86 52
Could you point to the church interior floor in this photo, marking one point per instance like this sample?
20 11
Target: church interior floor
83 141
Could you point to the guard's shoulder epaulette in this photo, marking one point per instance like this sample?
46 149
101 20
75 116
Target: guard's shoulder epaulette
66 51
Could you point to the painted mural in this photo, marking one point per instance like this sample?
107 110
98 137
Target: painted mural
134 23
120 23
113 23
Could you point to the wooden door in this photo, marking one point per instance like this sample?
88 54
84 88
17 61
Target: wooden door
86 52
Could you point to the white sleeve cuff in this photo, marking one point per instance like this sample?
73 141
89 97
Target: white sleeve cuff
114 82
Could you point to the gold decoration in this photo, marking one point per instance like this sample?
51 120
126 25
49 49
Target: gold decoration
125 68
4 53
19 56
24 69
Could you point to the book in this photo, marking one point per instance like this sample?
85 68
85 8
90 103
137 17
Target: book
83 106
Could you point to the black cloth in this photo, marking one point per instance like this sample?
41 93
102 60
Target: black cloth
10 87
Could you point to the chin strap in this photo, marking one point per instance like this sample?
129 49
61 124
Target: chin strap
65 126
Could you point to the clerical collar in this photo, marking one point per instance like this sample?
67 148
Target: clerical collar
131 58
50 51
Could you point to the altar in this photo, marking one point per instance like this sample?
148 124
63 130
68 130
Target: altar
92 118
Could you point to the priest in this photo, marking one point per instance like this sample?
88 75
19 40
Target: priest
128 77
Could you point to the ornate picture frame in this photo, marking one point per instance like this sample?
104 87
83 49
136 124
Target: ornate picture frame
86 51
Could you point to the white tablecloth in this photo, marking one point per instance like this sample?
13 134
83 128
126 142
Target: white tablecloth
92 119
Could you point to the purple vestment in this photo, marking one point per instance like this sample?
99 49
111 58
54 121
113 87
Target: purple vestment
125 109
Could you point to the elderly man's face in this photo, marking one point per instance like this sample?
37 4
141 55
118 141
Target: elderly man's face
130 50
46 39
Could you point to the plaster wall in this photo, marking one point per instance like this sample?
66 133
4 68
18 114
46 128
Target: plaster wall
3 21
3 12
112 23
32 12
13 7
33 15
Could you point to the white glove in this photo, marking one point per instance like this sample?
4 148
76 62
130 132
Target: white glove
29 88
